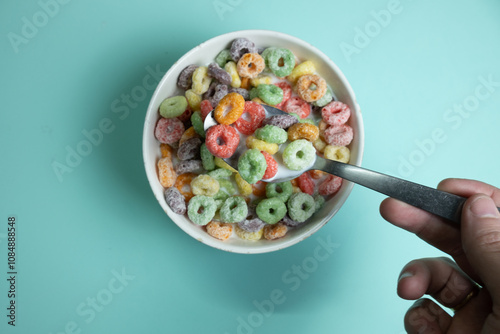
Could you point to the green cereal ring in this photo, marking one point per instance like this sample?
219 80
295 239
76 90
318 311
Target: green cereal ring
271 210
253 93
173 106
307 120
266 53
223 57
252 166
281 190
233 210
219 202
204 184
227 186
325 99
271 134
278 56
270 94
220 173
301 206
197 122
207 159
251 236
319 201
201 209
299 154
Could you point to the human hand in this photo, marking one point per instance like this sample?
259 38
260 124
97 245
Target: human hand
475 247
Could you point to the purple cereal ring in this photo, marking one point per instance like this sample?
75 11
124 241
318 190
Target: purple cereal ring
169 130
240 46
215 71
175 200
220 92
252 223
281 121
242 91
190 149
185 80
210 91
289 221
188 166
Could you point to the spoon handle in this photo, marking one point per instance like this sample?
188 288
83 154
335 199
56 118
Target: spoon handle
435 201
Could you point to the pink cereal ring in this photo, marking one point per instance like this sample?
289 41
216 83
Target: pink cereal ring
256 115
336 113
295 105
287 93
306 183
330 185
272 166
222 140
339 135
169 130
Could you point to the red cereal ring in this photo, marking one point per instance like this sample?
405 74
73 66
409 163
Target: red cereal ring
335 113
186 115
222 140
330 185
205 108
306 183
287 93
339 135
257 115
295 105
169 130
272 166
259 189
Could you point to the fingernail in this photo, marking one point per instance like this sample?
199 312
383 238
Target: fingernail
405 275
484 207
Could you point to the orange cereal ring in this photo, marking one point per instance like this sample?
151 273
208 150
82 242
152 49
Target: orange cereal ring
229 109
250 65
316 174
188 134
275 231
305 131
245 83
221 231
311 87
166 150
184 181
259 189
166 173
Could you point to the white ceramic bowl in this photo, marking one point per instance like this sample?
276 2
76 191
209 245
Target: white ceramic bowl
205 53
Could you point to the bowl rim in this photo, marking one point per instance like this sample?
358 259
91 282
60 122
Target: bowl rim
348 186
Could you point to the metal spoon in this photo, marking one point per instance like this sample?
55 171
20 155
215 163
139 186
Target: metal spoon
432 200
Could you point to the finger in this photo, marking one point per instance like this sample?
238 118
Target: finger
425 317
438 277
430 228
481 240
467 188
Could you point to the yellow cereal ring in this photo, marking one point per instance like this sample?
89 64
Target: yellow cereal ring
244 187
303 68
188 134
264 79
261 145
204 185
250 65
305 131
251 236
337 153
201 80
229 108
275 231
258 100
245 83
222 164
194 100
218 230
319 145
305 88
166 173
230 68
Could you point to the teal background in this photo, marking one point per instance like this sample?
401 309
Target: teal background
100 220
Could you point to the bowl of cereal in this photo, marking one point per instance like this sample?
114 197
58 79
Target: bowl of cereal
235 75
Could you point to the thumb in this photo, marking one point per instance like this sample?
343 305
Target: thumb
481 240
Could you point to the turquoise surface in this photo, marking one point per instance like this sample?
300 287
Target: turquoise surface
96 253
